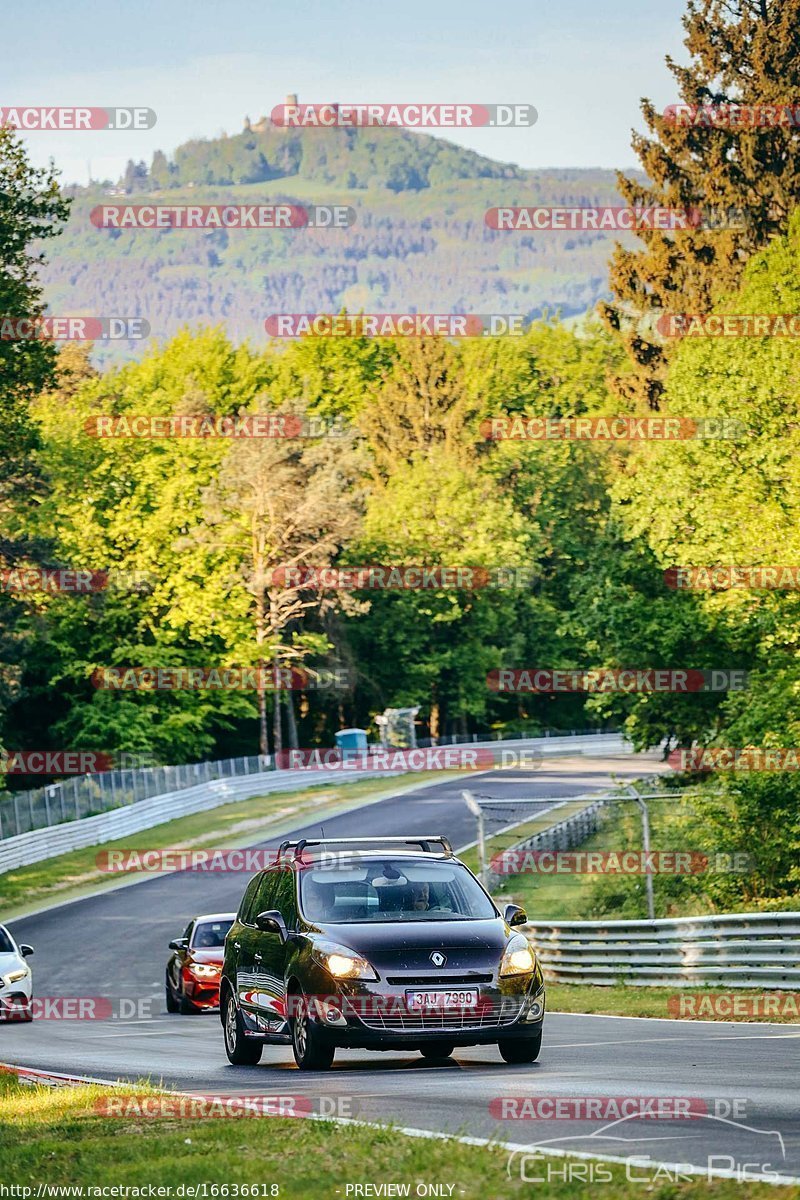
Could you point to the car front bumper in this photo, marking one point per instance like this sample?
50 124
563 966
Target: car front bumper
375 1015
15 999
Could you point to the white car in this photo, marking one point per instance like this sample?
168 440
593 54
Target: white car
16 982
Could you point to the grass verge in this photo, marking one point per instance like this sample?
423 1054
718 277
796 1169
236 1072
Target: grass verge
504 841
242 823
705 1004
55 1138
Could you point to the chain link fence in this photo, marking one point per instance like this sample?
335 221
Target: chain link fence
89 795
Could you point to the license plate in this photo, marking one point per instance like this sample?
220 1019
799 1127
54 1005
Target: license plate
453 998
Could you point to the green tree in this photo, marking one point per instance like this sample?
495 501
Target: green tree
741 51
31 211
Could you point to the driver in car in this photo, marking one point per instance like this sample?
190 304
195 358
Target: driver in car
420 897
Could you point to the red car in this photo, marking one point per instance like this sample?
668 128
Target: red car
193 969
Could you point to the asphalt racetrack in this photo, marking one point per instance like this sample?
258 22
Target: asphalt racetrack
743 1079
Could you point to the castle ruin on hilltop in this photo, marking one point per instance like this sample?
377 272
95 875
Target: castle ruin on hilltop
264 123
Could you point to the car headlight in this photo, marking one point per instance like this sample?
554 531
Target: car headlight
13 976
342 963
518 957
204 970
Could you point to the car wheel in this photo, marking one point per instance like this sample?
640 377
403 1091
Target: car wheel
437 1050
185 1005
313 1051
241 1051
172 1004
521 1050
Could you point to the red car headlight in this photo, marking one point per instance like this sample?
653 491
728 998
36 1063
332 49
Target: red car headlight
204 970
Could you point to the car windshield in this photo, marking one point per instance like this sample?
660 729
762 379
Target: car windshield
6 945
392 890
210 934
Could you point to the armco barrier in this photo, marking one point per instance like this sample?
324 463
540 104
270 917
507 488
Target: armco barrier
120 822
760 950
27 848
562 835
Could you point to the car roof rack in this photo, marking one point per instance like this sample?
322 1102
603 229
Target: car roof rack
424 842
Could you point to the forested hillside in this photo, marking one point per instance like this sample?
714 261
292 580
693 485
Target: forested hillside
419 242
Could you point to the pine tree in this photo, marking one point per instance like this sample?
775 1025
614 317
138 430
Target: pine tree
742 51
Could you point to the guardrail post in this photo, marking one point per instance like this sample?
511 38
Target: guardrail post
477 811
648 877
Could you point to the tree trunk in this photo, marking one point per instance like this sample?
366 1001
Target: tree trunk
277 739
261 687
263 737
291 723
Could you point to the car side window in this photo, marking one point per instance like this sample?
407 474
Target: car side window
264 896
246 907
187 933
284 900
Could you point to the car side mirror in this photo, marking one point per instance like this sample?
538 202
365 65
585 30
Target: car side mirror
25 950
179 944
514 915
272 922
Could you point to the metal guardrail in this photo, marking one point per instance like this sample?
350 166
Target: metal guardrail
732 950
562 835
132 818
87 795
39 844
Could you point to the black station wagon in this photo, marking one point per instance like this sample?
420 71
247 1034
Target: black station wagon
394 946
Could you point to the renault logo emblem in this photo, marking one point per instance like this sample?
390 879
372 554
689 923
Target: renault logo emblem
438 959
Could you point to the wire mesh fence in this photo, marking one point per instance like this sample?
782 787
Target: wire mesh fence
88 795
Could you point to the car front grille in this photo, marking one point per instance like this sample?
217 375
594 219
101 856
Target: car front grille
490 1012
438 980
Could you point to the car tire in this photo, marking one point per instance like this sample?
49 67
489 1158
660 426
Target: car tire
185 1005
241 1051
521 1050
172 1004
437 1050
312 1050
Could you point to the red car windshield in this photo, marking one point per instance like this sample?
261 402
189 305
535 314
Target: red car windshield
210 935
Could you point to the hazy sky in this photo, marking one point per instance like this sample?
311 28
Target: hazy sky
203 65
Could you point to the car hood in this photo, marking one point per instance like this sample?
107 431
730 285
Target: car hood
11 962
466 945
215 955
